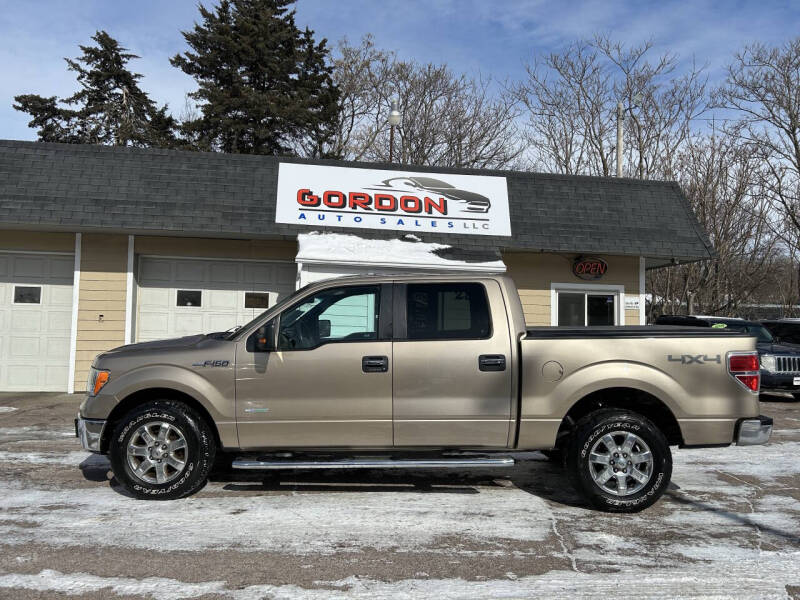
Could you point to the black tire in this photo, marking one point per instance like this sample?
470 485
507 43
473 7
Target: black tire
592 428
200 449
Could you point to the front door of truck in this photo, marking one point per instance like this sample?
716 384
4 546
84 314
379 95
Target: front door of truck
328 381
452 371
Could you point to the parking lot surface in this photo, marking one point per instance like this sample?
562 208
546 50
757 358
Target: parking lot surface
728 527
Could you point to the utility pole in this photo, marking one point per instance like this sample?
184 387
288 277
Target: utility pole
620 120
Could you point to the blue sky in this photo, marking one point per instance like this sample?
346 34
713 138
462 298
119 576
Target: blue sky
488 37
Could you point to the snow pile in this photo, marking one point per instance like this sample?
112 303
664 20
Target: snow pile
406 253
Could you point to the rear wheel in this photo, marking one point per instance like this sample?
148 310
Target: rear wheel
619 460
162 450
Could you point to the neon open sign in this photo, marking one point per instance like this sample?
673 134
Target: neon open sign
589 268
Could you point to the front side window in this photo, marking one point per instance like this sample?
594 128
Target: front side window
345 314
447 311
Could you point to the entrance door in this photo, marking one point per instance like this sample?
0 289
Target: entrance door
452 370
329 383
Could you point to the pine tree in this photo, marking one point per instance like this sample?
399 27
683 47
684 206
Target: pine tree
264 86
109 108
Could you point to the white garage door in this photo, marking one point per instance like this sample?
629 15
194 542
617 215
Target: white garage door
35 321
187 296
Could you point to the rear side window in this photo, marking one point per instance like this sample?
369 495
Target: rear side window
447 311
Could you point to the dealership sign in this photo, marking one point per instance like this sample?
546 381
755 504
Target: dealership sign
322 196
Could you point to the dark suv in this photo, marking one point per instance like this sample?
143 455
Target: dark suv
780 362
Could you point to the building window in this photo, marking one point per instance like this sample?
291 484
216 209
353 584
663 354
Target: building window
27 294
590 306
190 298
256 299
447 311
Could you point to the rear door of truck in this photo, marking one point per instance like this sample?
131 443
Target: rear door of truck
452 376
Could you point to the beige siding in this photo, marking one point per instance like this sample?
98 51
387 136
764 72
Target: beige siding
104 260
216 248
36 241
535 272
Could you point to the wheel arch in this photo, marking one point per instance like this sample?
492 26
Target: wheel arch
624 398
139 397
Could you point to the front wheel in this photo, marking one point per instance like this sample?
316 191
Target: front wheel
162 450
619 460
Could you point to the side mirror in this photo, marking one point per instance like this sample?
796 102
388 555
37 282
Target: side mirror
262 339
324 328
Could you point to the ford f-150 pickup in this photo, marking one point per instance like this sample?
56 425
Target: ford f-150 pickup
421 372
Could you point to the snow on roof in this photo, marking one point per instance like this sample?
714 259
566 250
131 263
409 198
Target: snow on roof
406 253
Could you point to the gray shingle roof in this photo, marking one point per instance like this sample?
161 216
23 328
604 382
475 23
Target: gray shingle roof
169 192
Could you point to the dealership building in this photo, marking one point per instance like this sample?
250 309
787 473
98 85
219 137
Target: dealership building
103 246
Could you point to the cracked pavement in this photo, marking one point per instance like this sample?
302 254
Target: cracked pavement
729 526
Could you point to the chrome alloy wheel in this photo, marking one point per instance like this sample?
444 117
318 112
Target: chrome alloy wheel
157 452
620 463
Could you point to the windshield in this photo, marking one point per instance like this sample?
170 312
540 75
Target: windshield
287 300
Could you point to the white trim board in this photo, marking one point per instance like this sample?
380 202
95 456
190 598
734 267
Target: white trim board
129 293
73 342
617 290
642 280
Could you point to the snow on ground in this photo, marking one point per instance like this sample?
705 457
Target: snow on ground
754 579
7 409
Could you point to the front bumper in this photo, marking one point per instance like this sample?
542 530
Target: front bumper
751 432
779 382
89 432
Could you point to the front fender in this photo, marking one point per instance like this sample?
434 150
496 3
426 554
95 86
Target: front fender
212 387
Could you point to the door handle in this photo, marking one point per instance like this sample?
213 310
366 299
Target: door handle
492 362
375 364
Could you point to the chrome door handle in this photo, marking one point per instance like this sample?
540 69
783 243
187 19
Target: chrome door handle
375 364
492 362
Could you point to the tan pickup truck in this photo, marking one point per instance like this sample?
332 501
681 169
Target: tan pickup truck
420 372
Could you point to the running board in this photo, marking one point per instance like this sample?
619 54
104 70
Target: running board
369 463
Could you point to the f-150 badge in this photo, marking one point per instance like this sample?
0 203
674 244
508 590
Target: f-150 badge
212 363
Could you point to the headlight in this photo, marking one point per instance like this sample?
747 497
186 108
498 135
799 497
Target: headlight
768 363
97 379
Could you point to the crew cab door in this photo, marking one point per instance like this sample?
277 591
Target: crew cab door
452 376
328 381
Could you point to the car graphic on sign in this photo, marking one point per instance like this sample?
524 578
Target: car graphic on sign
468 201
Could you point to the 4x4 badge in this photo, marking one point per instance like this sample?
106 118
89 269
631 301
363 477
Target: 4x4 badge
695 359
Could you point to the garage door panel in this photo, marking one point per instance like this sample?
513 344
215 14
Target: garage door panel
58 295
223 299
26 269
56 348
62 269
155 297
222 284
35 338
189 272
26 319
222 273
25 346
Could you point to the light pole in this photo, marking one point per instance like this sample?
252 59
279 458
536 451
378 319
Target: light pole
394 120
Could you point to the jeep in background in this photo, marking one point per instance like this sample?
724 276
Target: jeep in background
786 331
780 362
421 372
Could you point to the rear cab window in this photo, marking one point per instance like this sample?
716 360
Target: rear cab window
447 311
